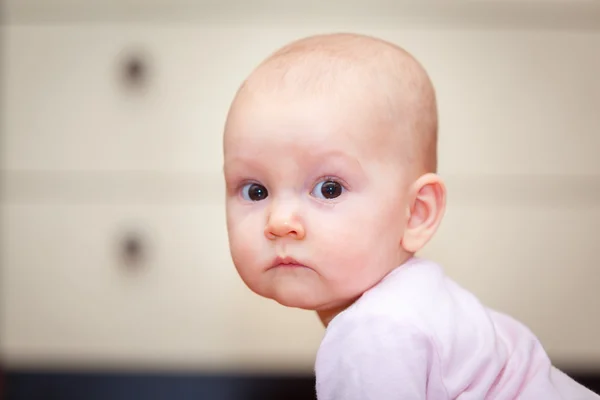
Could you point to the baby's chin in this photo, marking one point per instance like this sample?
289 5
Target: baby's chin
292 302
295 296
295 300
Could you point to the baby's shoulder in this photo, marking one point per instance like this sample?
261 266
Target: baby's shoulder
408 291
406 297
418 295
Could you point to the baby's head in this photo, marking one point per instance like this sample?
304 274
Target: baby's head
330 161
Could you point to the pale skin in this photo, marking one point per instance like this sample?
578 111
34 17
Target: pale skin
329 163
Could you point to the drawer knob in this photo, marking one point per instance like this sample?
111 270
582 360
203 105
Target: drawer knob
133 250
134 71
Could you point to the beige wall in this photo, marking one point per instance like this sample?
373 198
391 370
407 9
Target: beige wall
84 162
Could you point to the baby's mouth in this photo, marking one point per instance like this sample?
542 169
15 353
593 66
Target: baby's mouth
287 262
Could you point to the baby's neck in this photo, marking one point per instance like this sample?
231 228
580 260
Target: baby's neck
326 316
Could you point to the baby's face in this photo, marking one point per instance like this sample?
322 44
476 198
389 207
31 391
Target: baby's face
316 199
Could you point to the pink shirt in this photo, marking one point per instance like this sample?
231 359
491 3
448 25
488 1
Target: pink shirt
419 335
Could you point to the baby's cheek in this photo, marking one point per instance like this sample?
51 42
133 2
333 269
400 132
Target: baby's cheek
342 245
244 239
356 241
246 261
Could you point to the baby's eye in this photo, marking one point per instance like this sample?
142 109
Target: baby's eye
254 192
328 189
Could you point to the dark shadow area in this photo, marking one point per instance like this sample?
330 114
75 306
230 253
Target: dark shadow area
41 385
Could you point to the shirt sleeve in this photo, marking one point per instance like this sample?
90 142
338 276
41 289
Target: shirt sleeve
376 359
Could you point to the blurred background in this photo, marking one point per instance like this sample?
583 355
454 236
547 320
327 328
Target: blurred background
115 276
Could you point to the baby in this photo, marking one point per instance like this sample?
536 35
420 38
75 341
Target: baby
330 168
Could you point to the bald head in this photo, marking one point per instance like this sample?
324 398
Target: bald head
394 86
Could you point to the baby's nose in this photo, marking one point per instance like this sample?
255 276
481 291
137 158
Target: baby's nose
284 222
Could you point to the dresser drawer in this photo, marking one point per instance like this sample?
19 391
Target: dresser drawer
137 285
115 98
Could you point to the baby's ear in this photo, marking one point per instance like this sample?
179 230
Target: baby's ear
426 207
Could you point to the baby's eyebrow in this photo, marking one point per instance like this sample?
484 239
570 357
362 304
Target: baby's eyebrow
334 160
334 155
242 163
